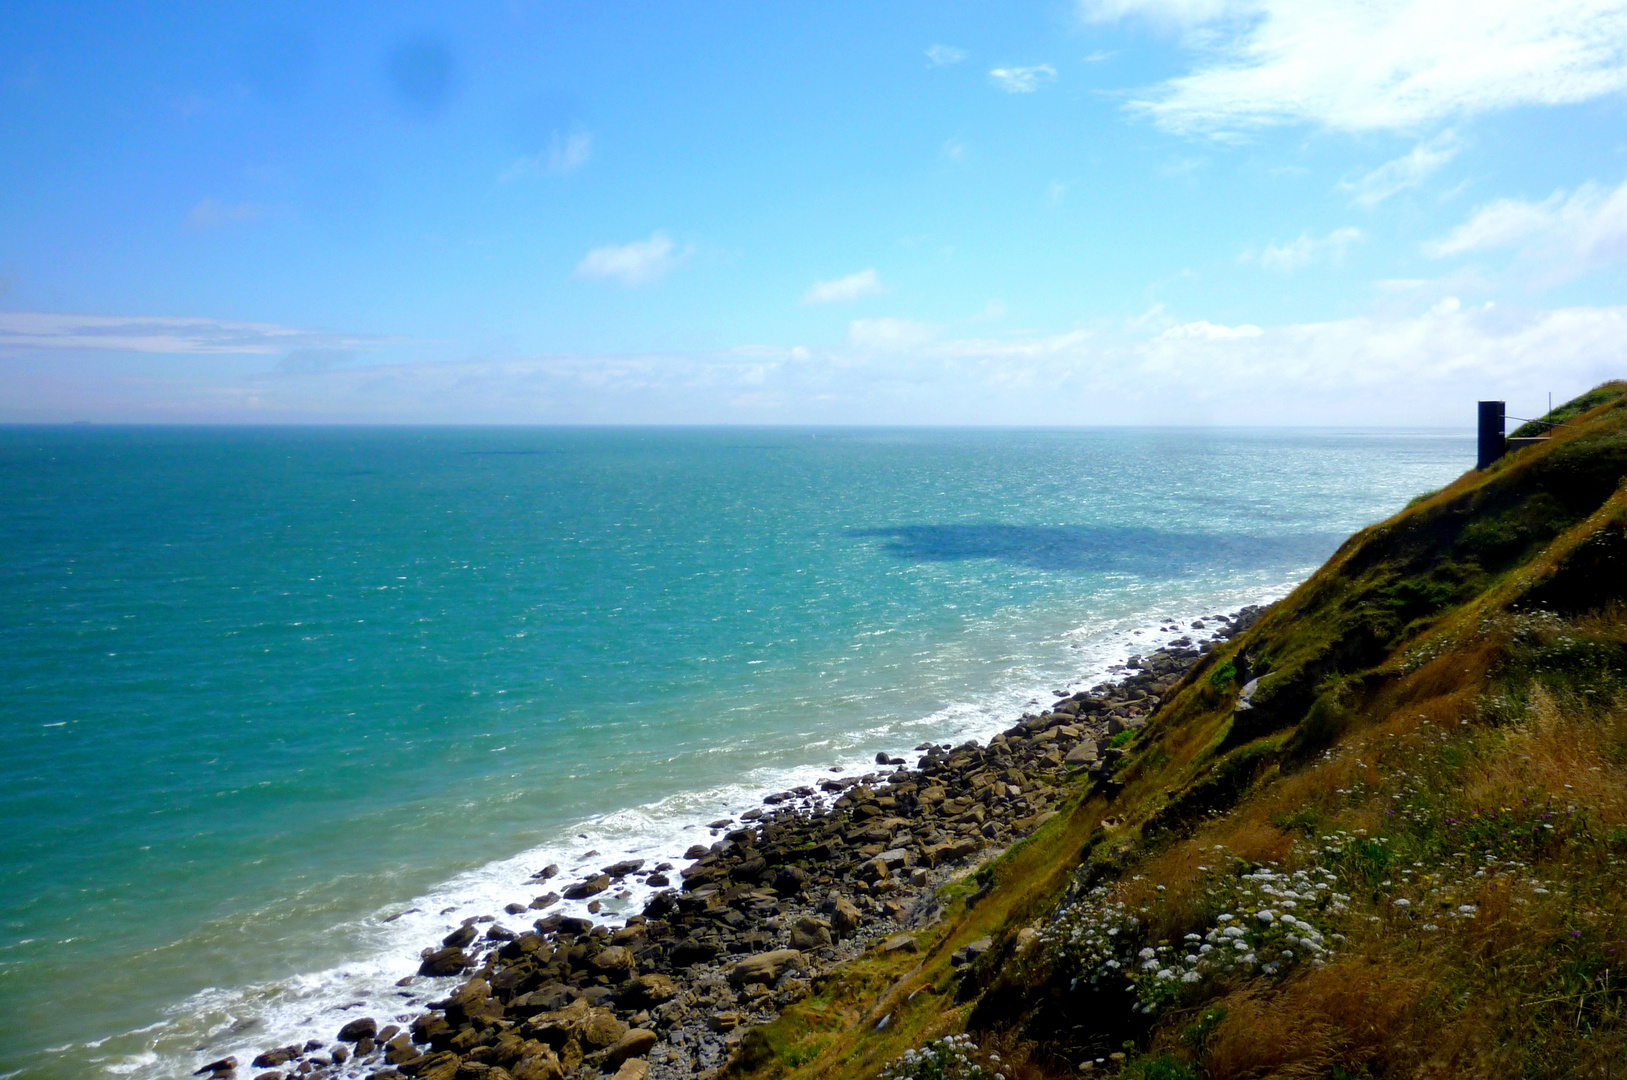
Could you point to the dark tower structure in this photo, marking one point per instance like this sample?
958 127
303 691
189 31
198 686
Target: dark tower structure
1492 444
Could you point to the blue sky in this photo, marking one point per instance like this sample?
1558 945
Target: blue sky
1104 211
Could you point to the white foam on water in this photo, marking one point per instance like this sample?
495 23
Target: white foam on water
385 947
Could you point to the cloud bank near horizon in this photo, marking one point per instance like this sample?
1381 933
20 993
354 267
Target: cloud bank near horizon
1425 368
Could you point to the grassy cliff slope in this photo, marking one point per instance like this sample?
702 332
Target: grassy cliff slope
1383 833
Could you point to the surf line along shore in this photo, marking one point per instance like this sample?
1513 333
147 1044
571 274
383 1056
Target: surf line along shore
816 876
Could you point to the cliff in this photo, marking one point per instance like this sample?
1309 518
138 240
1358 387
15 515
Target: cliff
1381 833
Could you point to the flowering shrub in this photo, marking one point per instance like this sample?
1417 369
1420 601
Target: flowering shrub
949 1058
1269 921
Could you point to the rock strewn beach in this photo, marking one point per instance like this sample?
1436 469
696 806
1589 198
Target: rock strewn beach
813 878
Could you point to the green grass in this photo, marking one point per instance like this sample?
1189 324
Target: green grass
1422 732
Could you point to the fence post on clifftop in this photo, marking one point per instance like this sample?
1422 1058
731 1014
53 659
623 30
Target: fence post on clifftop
1492 444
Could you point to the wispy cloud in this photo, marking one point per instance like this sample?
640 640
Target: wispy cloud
1169 12
304 361
1409 170
1203 330
565 154
34 330
1056 192
889 334
1568 233
1391 65
842 289
1305 250
1022 80
632 264
952 150
944 55
211 214
1428 366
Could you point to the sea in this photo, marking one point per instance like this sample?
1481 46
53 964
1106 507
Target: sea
283 706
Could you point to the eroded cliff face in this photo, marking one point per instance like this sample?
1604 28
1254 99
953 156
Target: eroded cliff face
1382 833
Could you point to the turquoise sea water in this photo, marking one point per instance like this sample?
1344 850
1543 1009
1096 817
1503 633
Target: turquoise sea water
263 688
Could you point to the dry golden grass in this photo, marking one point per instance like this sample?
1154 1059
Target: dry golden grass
1563 752
1349 1014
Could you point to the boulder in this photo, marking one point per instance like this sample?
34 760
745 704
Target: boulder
224 1065
438 1066
271 1059
894 858
844 917
400 1050
633 1069
357 1030
809 933
765 967
615 961
460 937
693 951
586 1025
537 1062
600 1029
1083 754
449 961
635 1044
647 991
873 870
592 886
901 943
968 953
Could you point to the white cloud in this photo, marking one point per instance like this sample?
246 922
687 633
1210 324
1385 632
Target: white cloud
1022 80
632 264
570 153
1172 12
1305 250
1409 170
953 150
1056 192
1204 330
211 214
1426 367
29 330
1497 224
1565 233
565 154
1379 64
943 55
888 334
839 290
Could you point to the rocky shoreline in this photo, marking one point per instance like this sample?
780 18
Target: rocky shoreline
811 879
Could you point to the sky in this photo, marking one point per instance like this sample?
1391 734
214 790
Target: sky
1254 212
